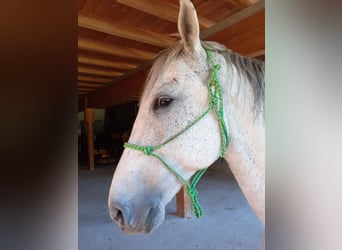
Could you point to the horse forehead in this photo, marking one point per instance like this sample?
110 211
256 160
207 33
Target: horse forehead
172 76
178 69
173 70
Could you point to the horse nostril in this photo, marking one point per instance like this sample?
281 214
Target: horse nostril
117 215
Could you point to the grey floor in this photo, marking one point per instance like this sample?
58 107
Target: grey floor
228 221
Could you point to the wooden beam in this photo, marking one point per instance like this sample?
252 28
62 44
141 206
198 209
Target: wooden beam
98 72
87 84
111 95
90 137
93 79
105 63
89 118
242 3
111 49
245 37
119 29
183 203
233 19
162 9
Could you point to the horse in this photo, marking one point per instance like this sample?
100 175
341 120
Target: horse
187 125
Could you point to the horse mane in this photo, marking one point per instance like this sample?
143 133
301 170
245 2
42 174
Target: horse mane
251 68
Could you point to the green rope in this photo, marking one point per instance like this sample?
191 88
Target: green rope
216 103
216 100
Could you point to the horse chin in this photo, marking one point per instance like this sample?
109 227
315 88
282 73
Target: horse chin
154 218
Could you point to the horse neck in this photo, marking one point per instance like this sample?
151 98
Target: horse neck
246 148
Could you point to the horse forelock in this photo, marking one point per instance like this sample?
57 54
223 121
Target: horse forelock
252 69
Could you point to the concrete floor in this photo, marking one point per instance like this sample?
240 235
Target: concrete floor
228 221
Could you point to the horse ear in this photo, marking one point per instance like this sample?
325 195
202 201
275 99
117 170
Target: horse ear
188 26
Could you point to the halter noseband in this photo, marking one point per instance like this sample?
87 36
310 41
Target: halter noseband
215 103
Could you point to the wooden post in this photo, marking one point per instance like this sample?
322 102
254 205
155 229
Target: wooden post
89 119
183 203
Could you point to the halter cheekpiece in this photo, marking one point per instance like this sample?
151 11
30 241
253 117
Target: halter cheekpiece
215 103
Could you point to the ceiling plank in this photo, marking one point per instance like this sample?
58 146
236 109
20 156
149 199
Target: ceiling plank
107 48
242 3
235 18
105 63
87 84
98 72
162 9
93 79
119 29
246 37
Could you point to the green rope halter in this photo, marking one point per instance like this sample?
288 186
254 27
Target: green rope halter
216 103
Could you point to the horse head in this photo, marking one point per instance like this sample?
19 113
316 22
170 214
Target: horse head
175 95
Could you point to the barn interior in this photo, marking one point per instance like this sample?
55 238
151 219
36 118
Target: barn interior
117 43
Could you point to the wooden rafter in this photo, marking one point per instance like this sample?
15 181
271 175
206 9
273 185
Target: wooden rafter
105 63
93 79
111 49
122 30
87 84
89 118
98 72
243 3
246 37
235 18
162 9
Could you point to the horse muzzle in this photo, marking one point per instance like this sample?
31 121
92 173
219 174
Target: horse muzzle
136 220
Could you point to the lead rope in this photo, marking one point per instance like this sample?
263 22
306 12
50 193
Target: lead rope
216 103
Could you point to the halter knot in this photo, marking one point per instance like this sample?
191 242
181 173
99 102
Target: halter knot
192 192
148 150
213 100
194 201
216 67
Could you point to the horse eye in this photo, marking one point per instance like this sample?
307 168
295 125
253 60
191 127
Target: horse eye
162 101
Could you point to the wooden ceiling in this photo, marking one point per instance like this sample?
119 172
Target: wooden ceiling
118 39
